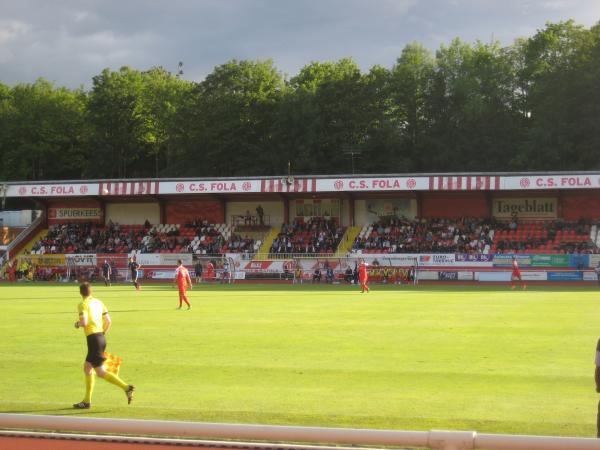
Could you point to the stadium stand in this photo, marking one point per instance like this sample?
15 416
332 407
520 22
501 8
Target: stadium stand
201 238
316 236
471 235
545 237
466 235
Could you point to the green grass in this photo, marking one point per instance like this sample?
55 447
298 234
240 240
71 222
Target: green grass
469 358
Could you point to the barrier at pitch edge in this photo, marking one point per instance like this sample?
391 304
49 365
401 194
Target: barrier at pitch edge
435 439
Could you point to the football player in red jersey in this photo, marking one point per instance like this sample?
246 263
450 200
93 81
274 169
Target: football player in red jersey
516 274
363 276
183 280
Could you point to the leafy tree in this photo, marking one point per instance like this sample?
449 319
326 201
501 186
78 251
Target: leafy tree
230 120
116 115
44 132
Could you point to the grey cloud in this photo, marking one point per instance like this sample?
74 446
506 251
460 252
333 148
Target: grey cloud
70 41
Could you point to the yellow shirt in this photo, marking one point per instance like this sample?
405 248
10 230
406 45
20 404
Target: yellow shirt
92 309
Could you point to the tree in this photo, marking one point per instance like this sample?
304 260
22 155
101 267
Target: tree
44 133
559 69
324 117
116 115
162 96
411 84
230 120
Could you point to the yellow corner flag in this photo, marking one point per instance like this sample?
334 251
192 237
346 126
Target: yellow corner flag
112 363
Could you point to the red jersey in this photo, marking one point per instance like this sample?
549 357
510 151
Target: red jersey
182 276
515 266
362 271
210 270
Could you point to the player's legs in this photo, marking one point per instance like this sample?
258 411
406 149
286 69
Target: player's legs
363 285
183 297
114 379
90 381
598 422
135 282
522 282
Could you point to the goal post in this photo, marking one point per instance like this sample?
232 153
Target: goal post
224 270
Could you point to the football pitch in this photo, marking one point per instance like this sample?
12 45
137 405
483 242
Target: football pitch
458 358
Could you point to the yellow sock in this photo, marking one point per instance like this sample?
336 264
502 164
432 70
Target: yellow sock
90 380
112 378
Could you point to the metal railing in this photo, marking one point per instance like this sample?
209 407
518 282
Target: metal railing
442 440
250 220
23 234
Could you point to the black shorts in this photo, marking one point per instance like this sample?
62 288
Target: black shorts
134 276
96 344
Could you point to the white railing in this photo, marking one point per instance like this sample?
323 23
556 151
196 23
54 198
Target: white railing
442 440
23 234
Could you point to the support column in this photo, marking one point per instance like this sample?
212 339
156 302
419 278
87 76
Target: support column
286 210
163 211
351 218
489 204
419 196
43 205
102 212
559 205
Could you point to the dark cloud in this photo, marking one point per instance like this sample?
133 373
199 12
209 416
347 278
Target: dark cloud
70 41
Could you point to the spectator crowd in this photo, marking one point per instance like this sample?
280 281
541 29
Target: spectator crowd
199 238
316 236
401 235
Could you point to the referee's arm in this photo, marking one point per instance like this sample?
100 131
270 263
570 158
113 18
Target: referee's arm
83 320
106 322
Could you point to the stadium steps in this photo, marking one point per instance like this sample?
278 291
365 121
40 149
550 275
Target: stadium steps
347 241
27 247
263 251
22 245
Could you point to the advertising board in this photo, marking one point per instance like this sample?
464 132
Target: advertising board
81 260
590 276
87 214
448 276
565 276
533 276
505 260
465 276
550 260
525 208
493 276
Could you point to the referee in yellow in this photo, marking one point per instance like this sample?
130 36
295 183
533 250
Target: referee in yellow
94 318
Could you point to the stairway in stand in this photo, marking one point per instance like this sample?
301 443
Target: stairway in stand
263 251
347 241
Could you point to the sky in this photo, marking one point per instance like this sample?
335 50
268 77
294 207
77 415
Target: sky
70 41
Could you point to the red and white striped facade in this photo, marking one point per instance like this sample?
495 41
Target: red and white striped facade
289 185
301 184
128 188
464 183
